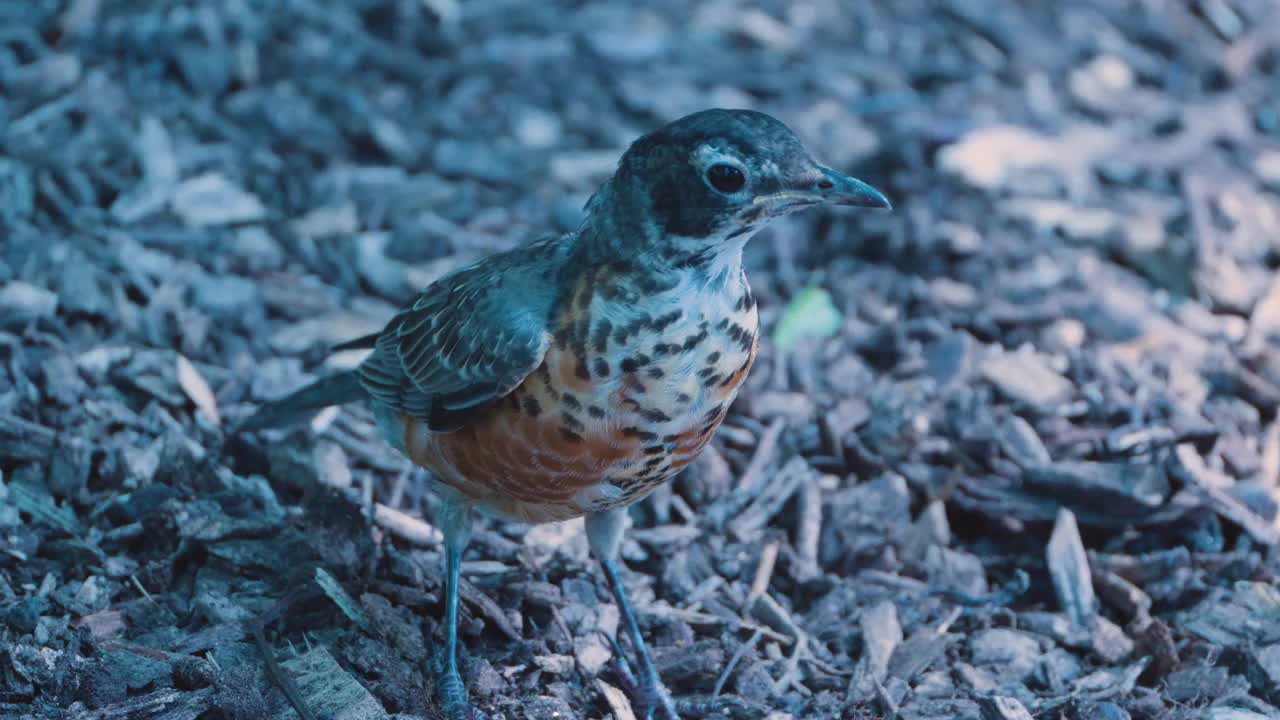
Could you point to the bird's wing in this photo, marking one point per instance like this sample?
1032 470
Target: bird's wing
467 340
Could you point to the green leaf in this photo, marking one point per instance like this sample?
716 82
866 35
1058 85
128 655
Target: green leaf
811 314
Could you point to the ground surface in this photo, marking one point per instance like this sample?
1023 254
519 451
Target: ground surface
1034 471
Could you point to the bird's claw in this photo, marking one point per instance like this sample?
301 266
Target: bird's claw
653 699
453 701
453 695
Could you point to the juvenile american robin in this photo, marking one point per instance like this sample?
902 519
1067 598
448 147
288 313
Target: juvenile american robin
572 376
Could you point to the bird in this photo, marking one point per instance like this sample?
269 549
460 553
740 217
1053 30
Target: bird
573 375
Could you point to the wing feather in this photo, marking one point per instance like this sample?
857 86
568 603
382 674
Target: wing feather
469 339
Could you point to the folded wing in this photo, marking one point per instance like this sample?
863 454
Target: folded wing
467 341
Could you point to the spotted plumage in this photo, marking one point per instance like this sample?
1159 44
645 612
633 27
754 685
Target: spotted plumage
575 374
568 441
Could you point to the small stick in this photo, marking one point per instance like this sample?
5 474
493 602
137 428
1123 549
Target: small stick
764 573
809 530
405 526
765 450
702 618
688 514
366 496
397 490
560 623
738 654
889 706
143 590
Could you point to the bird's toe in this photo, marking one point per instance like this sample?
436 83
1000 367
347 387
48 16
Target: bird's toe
649 697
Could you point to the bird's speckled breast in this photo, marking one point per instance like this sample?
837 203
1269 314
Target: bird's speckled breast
625 398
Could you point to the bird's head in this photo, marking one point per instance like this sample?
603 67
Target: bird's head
717 175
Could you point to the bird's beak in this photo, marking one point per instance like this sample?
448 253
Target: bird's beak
823 186
839 189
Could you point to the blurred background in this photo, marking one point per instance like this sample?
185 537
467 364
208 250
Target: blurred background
1008 451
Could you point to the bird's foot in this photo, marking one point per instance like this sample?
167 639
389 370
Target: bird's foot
652 699
453 696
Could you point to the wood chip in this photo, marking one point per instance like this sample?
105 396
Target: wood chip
197 388
618 701
329 690
1069 569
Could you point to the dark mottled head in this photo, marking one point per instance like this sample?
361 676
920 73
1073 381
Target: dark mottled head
724 173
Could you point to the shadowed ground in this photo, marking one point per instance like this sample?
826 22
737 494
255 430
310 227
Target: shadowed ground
1010 450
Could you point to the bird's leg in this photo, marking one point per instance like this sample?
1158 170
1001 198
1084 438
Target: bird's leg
604 535
455 524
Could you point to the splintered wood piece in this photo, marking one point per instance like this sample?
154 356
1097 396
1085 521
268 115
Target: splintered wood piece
328 690
1069 569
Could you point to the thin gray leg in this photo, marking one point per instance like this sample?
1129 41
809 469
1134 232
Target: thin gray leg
604 535
455 524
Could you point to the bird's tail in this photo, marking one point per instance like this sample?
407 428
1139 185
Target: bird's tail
333 390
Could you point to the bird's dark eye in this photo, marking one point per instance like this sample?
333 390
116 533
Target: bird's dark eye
726 178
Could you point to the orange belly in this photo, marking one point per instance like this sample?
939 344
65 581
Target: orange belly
535 469
515 464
